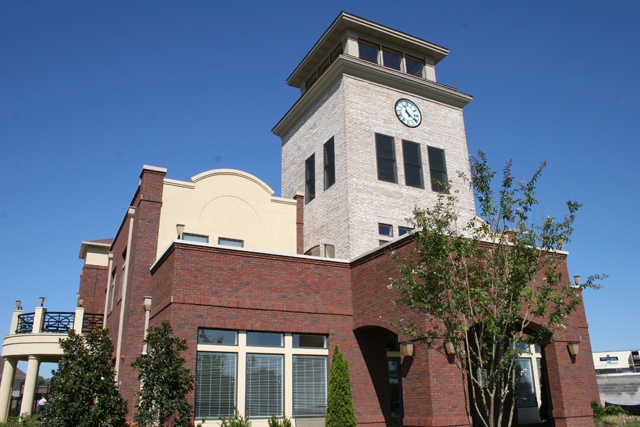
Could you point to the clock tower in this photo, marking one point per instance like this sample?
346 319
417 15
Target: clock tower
372 136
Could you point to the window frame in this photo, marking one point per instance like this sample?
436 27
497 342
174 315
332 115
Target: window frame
380 160
329 150
227 239
193 237
439 187
373 45
310 178
197 410
242 350
411 166
394 52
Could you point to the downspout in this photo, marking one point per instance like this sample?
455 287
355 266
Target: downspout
130 213
107 294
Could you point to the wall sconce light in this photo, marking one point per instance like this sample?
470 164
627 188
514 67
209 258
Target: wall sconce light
80 302
41 299
573 348
449 348
147 303
180 230
18 304
576 280
408 348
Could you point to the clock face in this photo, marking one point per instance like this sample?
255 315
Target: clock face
408 113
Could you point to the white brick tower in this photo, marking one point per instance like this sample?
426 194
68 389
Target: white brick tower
371 137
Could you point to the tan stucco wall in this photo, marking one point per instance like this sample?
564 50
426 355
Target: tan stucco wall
228 203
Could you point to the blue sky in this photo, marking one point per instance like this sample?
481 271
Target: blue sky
91 91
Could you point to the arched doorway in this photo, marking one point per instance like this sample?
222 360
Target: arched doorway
381 353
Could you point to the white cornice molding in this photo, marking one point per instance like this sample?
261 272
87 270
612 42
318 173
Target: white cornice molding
232 172
374 73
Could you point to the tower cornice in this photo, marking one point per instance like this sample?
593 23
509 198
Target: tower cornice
352 66
346 22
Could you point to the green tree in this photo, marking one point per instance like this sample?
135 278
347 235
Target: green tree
165 381
83 391
340 412
482 286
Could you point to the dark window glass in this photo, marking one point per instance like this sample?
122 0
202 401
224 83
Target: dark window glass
437 169
412 164
368 51
404 230
230 242
525 390
195 238
414 65
310 179
312 80
336 53
323 67
391 58
265 339
329 164
215 384
309 341
217 336
385 230
386 153
309 386
395 387
264 385
393 345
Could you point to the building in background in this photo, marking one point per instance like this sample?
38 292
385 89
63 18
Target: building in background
262 287
618 376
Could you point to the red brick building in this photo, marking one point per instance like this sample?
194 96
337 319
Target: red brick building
263 287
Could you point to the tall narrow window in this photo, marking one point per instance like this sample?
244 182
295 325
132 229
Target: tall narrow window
215 384
437 169
368 51
264 385
309 386
329 164
113 288
386 153
310 179
412 164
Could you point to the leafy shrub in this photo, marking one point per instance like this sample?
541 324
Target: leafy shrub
236 421
600 411
275 422
23 421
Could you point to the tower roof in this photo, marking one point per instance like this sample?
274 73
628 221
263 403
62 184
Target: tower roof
348 22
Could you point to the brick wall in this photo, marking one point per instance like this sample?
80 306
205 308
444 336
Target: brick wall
93 282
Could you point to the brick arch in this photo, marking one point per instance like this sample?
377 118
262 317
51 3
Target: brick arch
363 324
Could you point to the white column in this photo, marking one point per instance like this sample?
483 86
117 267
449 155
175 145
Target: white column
30 385
38 318
8 376
14 321
77 320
